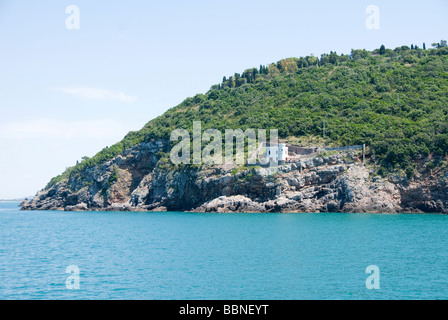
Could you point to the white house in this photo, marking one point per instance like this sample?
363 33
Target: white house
276 152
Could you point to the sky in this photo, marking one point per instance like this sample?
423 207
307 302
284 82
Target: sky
68 92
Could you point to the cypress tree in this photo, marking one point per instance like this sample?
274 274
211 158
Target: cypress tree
254 74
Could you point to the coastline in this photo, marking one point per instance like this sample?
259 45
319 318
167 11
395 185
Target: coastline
336 183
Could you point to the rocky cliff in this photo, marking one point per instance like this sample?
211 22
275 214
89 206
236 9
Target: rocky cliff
138 181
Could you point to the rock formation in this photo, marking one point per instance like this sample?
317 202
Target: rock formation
136 181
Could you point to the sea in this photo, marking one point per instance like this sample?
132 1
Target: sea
56 255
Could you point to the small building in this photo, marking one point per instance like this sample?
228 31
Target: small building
276 152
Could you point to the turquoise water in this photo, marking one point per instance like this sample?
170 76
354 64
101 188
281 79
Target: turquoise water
178 255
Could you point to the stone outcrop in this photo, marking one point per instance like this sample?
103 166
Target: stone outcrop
138 181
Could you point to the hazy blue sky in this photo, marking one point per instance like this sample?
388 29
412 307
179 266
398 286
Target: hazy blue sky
67 93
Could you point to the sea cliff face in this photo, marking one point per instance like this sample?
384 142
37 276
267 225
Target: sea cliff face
135 181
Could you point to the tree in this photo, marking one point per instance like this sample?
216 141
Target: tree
382 50
412 47
424 46
439 45
302 63
231 82
312 60
333 58
324 58
273 70
263 69
359 54
288 65
254 73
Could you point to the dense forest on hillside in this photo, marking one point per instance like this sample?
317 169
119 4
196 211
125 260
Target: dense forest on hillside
394 101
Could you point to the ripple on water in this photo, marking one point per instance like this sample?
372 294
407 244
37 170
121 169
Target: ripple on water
221 256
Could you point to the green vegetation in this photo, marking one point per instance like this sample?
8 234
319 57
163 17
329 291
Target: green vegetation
394 101
327 153
112 178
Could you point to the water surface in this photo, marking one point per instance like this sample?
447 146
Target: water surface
174 255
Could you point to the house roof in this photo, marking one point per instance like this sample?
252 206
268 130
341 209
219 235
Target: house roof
274 144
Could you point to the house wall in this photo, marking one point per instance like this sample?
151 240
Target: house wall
277 153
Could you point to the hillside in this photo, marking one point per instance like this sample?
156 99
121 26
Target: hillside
394 101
